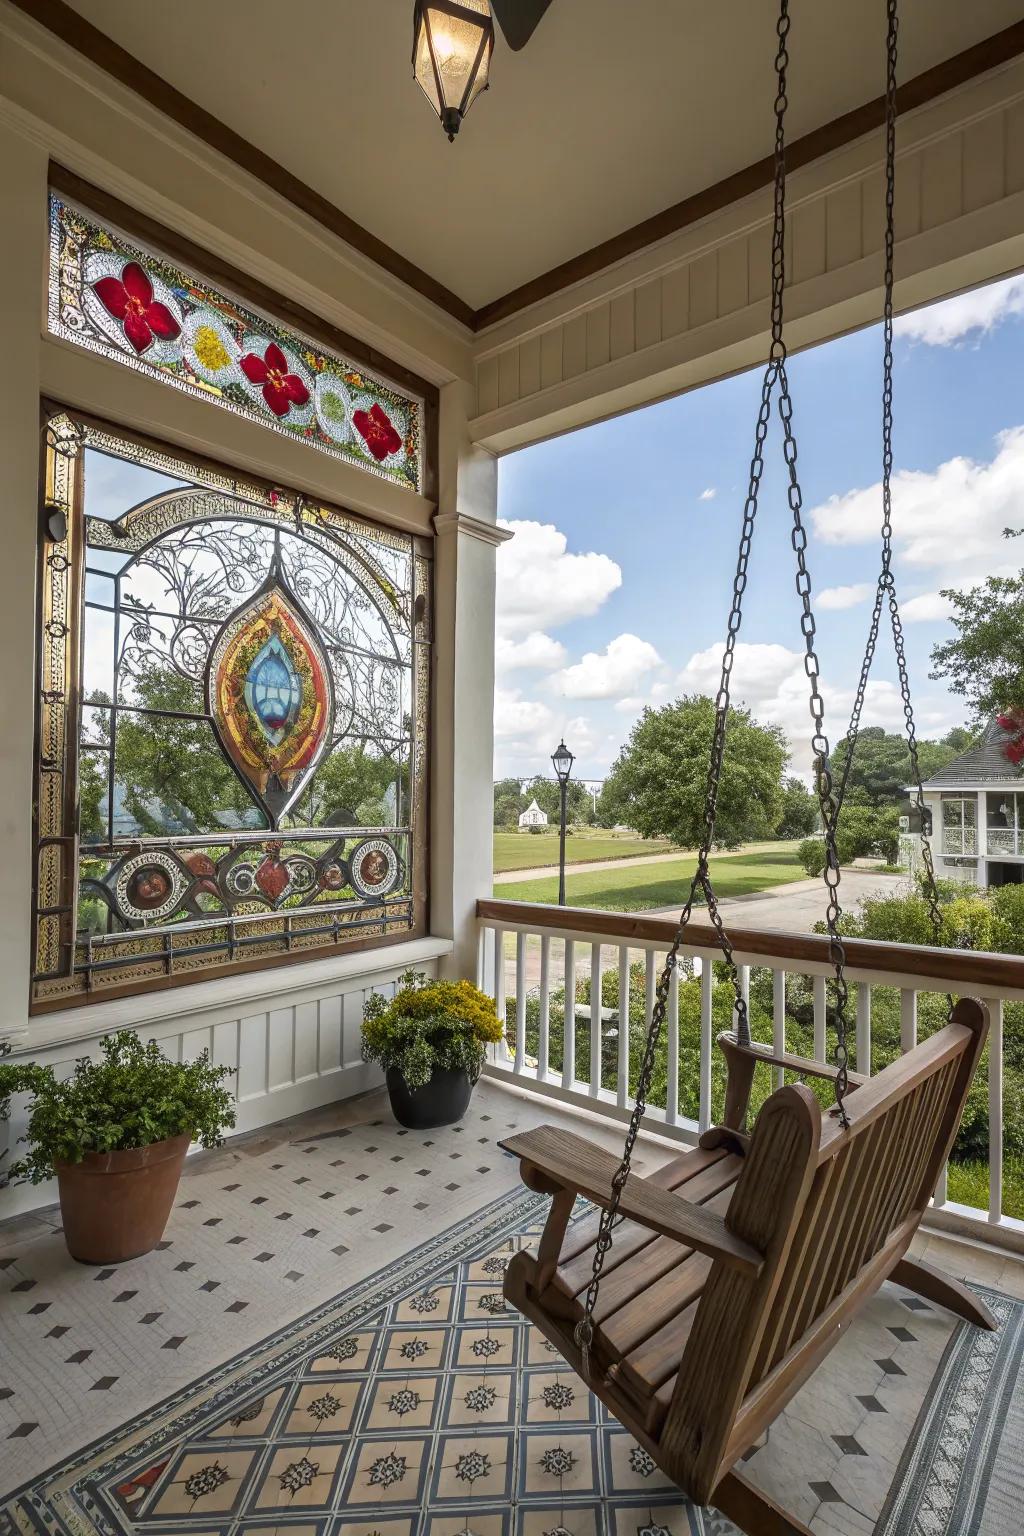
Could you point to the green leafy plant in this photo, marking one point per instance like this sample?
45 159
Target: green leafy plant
811 854
131 1097
429 1026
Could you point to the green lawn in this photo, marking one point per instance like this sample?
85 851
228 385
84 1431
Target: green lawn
527 850
642 886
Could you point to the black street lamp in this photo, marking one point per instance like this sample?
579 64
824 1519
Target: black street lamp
562 761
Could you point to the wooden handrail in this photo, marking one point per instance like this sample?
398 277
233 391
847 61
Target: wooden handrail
961 970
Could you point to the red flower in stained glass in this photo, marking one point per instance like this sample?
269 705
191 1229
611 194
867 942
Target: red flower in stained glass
281 389
376 430
129 298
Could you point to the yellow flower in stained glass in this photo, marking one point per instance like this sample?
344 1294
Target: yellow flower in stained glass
210 350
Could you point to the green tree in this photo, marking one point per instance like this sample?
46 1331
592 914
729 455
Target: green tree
579 805
881 768
349 778
984 662
865 830
961 738
508 803
799 809
658 781
167 763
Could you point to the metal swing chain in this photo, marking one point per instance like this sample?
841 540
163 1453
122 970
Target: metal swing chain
584 1331
885 591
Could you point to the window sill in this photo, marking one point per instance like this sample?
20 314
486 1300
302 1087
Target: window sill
224 998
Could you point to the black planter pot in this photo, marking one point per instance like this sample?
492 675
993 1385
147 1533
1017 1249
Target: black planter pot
442 1101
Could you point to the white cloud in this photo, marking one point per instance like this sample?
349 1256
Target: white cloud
542 585
948 322
536 650
709 493
843 597
948 521
632 704
607 674
926 607
515 716
770 681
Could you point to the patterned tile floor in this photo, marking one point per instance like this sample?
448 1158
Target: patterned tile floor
264 1229
279 1224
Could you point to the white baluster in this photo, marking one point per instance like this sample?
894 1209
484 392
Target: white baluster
820 1040
595 1020
543 1032
520 1061
569 1027
908 1019
501 1049
707 1044
672 1091
779 1020
622 1074
864 1028
995 1110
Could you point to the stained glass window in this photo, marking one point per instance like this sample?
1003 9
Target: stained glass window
234 687
113 296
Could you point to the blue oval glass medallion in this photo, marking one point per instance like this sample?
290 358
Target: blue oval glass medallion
273 690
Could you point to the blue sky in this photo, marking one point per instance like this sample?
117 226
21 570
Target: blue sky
614 592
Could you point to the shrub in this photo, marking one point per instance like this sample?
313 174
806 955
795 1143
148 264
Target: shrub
968 923
811 854
131 1097
429 1026
1008 919
896 920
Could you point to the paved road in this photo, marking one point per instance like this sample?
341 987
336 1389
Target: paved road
790 908
797 907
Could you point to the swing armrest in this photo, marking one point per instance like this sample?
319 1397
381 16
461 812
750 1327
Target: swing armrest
802 1064
553 1160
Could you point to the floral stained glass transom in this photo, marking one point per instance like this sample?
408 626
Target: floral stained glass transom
244 776
113 296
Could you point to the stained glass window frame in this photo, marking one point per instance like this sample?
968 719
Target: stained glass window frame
320 397
68 970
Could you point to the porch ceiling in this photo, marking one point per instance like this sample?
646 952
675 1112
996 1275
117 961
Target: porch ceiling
611 114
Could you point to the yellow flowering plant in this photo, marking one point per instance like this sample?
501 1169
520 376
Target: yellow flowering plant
429 1026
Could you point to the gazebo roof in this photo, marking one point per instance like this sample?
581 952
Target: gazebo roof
986 763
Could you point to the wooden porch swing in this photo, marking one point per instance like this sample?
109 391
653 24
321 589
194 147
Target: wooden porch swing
696 1302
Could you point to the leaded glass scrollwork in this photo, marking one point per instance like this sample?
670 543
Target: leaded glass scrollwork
238 773
116 297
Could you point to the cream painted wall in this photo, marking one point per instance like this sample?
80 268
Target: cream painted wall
291 1033
23 217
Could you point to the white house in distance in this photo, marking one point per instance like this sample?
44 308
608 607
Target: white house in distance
977 811
533 816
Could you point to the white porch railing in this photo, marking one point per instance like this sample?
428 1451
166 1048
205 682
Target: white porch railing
540 955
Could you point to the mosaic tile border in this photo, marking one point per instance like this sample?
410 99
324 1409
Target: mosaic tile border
945 1473
48 1503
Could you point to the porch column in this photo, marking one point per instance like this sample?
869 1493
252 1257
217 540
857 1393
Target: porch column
462 798
23 166
982 814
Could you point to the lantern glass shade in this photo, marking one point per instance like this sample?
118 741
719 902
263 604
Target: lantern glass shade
562 761
451 56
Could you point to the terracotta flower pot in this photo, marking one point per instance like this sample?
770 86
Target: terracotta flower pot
115 1205
442 1101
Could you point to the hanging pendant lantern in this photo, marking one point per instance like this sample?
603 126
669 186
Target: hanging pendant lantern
451 55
